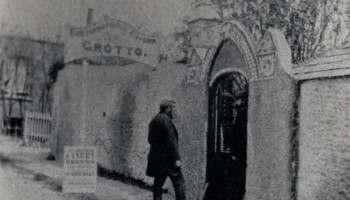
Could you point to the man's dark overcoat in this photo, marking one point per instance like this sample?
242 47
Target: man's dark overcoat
163 138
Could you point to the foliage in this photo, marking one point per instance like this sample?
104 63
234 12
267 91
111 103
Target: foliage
301 30
306 24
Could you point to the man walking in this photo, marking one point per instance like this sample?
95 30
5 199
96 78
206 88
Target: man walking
164 158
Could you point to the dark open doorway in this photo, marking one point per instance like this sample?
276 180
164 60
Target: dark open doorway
227 137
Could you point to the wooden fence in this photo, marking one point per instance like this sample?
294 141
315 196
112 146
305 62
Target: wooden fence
37 128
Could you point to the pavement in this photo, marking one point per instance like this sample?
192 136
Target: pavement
33 160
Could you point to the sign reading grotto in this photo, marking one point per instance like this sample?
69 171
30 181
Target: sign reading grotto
112 38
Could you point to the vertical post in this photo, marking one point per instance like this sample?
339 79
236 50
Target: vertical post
26 128
40 129
50 129
83 103
47 135
90 17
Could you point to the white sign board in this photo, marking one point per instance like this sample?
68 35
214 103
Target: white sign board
80 169
111 38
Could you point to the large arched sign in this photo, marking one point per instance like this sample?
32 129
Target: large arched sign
111 38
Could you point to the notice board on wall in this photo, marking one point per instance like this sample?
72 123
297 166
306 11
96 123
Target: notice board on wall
80 169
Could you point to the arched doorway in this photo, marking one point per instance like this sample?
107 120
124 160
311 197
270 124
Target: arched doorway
227 137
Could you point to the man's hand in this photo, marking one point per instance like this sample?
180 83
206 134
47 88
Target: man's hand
177 163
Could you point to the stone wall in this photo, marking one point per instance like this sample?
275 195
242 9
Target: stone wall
118 104
270 122
117 114
269 138
324 139
67 110
115 104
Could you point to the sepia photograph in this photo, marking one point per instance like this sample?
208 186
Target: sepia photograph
174 100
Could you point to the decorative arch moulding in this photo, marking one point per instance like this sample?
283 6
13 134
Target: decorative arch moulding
227 31
236 32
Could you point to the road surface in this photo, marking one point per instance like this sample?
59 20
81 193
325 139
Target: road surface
18 184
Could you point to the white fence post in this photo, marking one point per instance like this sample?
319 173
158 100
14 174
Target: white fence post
37 129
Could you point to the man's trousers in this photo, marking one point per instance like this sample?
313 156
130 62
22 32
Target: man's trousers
178 182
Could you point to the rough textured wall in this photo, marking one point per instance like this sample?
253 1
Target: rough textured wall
119 103
67 110
324 139
269 131
193 103
270 123
116 120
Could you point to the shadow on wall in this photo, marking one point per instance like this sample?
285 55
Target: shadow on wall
128 107
120 140
121 125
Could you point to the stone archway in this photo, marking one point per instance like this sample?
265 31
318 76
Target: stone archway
245 44
266 68
233 61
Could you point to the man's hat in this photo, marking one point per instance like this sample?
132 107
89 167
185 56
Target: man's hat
166 102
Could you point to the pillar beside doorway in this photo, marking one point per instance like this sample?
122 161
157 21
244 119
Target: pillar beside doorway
270 129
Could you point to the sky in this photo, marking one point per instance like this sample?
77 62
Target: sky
45 19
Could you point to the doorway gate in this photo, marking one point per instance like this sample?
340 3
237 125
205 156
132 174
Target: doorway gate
227 137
